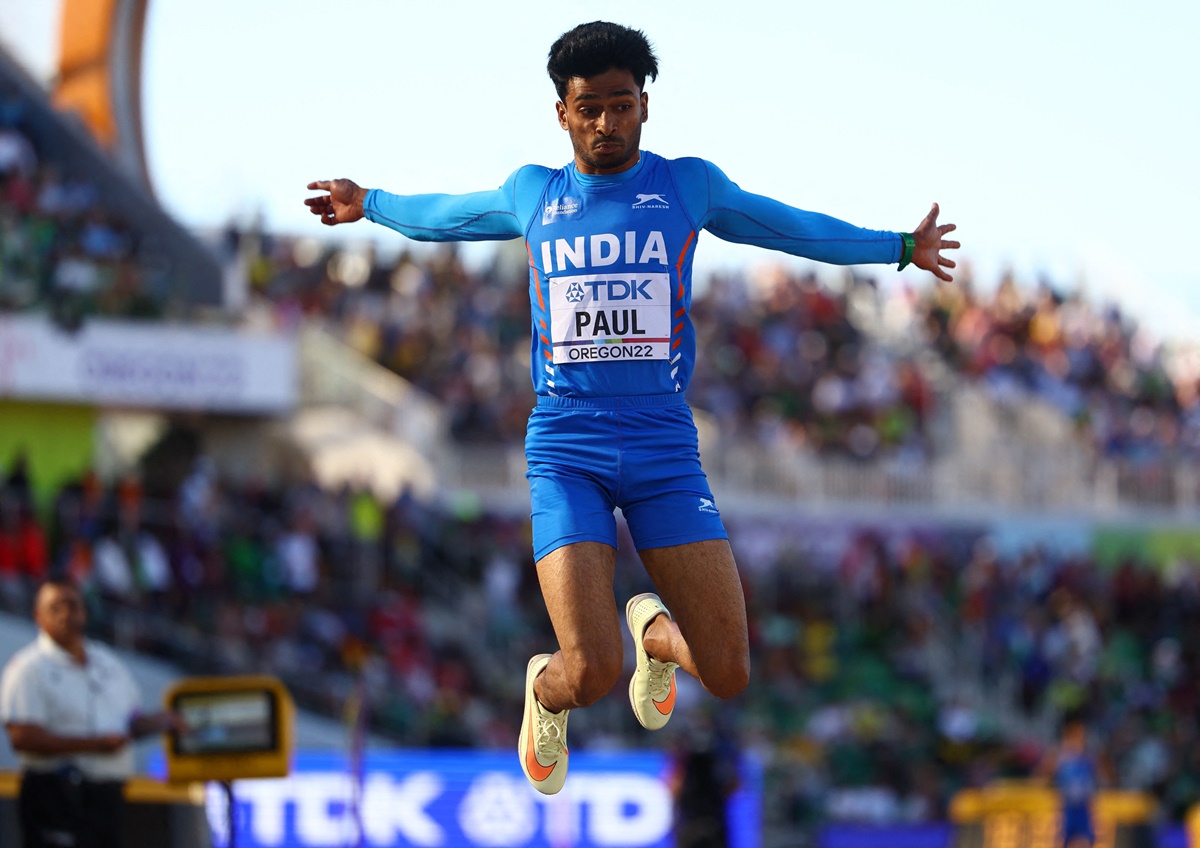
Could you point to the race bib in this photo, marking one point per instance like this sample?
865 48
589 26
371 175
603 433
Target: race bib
608 317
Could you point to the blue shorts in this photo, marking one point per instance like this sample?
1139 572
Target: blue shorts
588 456
1076 822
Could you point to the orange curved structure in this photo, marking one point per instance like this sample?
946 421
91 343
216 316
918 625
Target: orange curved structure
99 74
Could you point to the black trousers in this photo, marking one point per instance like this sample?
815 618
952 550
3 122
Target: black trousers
61 809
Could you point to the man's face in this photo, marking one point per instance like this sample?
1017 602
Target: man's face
60 613
1075 738
604 115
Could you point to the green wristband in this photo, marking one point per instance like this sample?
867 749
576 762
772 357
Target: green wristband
910 244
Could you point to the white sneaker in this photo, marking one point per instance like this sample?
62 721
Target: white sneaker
652 687
542 745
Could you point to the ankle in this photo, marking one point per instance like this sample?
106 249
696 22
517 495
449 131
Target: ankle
656 638
539 695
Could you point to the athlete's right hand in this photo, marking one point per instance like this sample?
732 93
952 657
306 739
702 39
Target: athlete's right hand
109 743
342 205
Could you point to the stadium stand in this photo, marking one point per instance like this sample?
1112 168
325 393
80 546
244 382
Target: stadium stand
788 360
900 394
64 246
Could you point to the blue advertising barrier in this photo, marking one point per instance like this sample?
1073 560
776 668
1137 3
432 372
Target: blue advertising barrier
934 835
453 799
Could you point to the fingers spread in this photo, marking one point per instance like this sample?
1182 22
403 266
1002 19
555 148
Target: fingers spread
946 263
946 228
321 185
949 245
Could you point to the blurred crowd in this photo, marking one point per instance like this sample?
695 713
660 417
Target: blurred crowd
893 664
784 358
61 247
1129 396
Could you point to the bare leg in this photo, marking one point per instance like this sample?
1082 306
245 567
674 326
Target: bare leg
699 584
577 585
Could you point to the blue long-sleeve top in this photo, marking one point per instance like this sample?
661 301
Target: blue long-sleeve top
611 257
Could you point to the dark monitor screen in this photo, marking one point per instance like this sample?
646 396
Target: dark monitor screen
225 722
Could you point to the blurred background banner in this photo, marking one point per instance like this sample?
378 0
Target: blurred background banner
114 363
468 799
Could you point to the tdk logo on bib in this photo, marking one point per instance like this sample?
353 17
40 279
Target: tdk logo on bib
558 207
602 317
612 289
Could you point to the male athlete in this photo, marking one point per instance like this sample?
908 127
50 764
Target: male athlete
610 239
1077 774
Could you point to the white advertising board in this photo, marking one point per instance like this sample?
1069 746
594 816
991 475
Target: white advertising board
148 365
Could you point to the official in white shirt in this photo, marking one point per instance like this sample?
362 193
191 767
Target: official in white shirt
71 709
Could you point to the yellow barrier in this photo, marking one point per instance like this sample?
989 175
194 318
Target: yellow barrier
1191 824
138 790
1026 815
163 815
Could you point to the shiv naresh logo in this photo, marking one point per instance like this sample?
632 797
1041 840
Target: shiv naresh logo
650 201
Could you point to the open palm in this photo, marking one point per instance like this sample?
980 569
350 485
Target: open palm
927 253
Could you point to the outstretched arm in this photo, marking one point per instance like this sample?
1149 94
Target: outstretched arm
720 206
151 724
502 213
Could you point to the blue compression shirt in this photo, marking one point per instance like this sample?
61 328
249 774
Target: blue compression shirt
610 259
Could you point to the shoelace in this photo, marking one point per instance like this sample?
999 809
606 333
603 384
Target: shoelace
548 733
659 674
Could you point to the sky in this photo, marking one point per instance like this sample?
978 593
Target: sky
1060 136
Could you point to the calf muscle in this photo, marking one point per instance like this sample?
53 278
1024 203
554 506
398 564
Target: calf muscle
700 585
577 585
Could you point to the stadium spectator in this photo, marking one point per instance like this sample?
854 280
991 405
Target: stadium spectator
71 710
62 249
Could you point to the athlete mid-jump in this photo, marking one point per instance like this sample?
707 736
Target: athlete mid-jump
611 238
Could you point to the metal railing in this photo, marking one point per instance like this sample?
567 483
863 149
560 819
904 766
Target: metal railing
1019 458
1016 480
334 374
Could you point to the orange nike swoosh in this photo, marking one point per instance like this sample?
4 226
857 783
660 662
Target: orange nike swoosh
537 771
667 704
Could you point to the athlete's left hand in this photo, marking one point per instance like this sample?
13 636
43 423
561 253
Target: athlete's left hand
930 244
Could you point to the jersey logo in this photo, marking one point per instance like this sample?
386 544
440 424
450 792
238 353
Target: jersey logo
574 293
650 201
707 505
559 206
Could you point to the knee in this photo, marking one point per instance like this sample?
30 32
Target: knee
729 678
592 673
